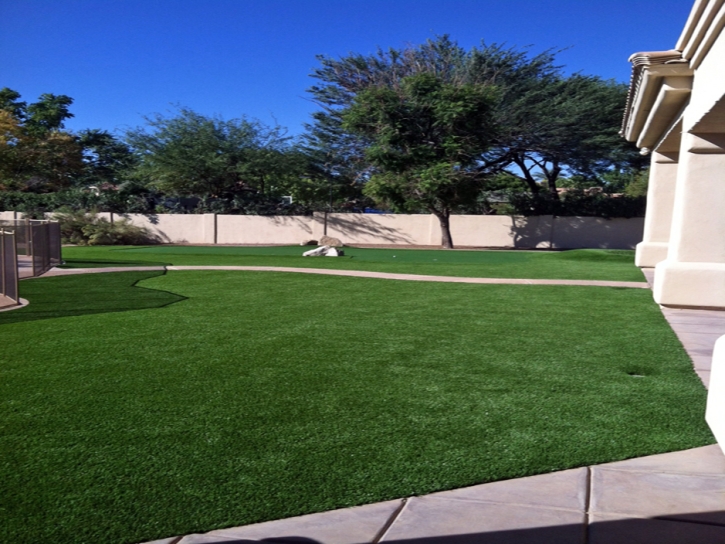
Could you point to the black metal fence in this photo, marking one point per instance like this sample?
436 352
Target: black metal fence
8 267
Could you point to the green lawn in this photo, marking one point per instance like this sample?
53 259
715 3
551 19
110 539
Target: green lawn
585 264
137 406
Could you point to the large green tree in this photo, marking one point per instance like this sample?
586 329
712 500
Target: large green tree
548 123
426 135
193 154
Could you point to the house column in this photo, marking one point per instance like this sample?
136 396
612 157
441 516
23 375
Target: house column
660 201
694 272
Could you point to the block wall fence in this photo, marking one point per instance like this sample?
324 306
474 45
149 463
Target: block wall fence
496 231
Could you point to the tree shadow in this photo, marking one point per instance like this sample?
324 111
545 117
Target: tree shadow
355 225
84 294
105 263
533 232
301 222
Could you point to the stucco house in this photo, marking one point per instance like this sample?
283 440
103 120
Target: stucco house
676 113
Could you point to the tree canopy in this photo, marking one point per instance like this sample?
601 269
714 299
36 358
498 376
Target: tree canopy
35 153
192 154
425 135
548 123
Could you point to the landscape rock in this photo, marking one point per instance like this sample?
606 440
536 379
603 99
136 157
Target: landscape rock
308 243
330 241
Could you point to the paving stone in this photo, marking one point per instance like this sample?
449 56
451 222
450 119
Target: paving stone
709 327
697 340
469 522
612 529
650 494
701 362
687 316
564 489
704 376
344 526
704 460
207 539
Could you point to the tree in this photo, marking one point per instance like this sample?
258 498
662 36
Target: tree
191 154
563 124
426 135
107 159
549 124
35 153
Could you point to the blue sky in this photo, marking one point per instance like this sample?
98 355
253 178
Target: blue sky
123 59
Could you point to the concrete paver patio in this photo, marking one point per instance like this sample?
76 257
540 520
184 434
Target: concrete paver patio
670 498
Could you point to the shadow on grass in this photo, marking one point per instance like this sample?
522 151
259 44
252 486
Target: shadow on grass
84 294
105 263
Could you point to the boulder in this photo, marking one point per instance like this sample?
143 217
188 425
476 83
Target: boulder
330 241
308 243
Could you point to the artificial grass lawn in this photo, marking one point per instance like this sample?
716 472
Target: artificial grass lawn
585 264
211 399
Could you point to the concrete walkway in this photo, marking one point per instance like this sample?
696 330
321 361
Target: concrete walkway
356 274
662 499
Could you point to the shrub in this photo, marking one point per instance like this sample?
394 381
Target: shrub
81 228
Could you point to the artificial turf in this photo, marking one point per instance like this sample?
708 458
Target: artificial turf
585 264
191 401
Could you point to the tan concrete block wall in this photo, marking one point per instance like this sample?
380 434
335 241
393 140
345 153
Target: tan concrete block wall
392 229
362 228
171 228
9 216
256 229
596 232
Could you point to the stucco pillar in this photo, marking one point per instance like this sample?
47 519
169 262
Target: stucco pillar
715 413
660 201
694 272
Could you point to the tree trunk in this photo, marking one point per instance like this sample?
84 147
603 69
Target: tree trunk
444 219
530 181
551 178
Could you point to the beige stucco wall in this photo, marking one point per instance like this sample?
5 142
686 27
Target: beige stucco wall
497 231
403 229
176 228
397 229
596 232
9 216
255 229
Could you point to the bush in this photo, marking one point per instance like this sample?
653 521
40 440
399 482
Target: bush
87 229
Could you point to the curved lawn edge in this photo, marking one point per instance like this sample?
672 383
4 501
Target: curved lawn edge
359 274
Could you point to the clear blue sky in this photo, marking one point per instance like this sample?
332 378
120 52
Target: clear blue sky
123 59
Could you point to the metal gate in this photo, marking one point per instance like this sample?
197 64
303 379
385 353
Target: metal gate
8 268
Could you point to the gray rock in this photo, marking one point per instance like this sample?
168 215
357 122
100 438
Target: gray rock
330 241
